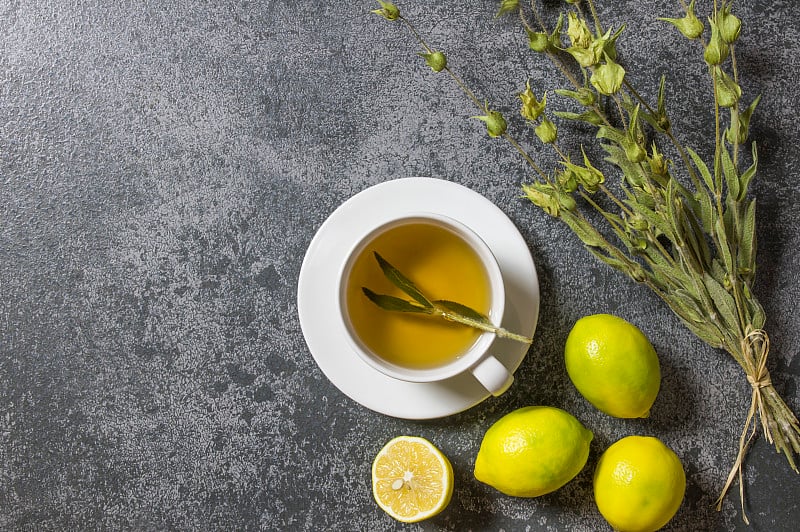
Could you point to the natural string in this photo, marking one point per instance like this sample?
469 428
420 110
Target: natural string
755 348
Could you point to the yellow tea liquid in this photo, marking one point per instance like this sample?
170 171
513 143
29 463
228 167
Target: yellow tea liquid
442 266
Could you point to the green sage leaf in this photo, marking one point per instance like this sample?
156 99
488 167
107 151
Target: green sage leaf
611 133
718 271
730 173
698 241
611 261
590 116
706 332
748 174
706 213
689 306
723 244
393 303
674 208
583 230
723 301
701 166
757 315
675 277
402 282
451 307
662 101
747 245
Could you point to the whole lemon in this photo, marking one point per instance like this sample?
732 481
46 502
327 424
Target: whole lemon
639 484
532 451
613 365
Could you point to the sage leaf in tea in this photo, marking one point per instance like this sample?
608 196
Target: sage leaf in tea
420 304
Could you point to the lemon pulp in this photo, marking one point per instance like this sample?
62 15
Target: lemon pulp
411 479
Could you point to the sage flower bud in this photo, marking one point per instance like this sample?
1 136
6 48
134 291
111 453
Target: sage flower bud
589 177
740 123
531 107
543 196
590 55
690 26
567 202
729 25
735 133
658 165
507 6
726 90
546 131
638 242
566 180
580 36
539 42
607 78
637 222
634 152
586 97
583 96
610 43
436 60
593 178
637 273
495 123
717 49
388 10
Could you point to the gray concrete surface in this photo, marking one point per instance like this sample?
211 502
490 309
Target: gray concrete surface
163 166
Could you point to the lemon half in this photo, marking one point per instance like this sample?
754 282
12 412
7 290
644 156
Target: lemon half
411 479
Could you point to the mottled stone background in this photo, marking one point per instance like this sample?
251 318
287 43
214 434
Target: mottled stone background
163 167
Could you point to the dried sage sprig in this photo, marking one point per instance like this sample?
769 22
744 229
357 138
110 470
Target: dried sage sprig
442 308
693 243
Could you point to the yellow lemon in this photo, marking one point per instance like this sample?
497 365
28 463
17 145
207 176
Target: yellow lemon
639 484
532 451
613 365
411 479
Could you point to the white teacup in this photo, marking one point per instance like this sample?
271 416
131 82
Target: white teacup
477 358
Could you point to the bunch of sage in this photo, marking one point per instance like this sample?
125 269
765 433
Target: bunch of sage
691 240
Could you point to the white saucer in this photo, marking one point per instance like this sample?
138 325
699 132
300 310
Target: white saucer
317 299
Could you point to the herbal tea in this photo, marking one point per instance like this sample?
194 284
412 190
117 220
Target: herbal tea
443 266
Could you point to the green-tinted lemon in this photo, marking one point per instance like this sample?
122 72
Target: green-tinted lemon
639 484
532 451
613 365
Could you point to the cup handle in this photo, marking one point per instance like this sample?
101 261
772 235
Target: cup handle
492 375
